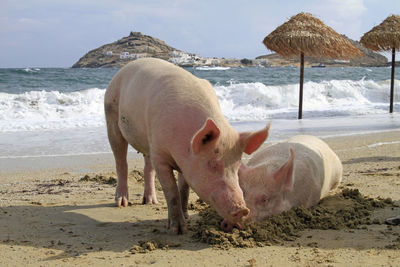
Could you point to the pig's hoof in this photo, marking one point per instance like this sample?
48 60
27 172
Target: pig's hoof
149 199
177 229
121 196
121 201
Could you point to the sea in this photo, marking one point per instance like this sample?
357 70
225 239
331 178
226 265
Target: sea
50 112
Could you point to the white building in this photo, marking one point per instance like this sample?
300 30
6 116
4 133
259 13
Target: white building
182 58
126 55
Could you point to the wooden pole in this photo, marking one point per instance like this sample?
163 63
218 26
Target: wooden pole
301 86
392 81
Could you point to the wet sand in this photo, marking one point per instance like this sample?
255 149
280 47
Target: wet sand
59 211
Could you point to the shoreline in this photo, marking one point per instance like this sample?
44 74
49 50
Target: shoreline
94 162
92 141
50 216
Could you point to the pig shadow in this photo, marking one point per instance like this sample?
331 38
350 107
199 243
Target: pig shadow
66 229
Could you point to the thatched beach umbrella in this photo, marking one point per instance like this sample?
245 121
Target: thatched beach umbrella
384 37
304 34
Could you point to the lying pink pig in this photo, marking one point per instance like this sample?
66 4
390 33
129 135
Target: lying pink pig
174 119
297 172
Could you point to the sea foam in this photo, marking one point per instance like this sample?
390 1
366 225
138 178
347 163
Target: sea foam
256 101
37 110
212 68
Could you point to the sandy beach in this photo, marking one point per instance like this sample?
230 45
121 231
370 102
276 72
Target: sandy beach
59 211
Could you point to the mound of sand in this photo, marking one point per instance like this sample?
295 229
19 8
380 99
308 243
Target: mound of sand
345 210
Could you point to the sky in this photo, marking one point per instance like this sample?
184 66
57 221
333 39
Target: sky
56 33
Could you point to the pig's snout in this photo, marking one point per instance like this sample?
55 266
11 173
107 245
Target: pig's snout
229 204
228 226
240 214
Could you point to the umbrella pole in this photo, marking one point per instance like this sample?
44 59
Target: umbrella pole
301 85
392 80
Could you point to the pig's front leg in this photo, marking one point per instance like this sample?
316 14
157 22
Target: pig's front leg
184 194
176 220
149 195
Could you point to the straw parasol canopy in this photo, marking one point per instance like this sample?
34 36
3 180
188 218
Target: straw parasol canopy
385 36
304 34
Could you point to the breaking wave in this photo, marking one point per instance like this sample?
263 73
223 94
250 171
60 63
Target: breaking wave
212 68
37 110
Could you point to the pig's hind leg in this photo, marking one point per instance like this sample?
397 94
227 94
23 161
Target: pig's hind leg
119 147
149 195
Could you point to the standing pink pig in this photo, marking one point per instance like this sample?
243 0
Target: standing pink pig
175 120
299 171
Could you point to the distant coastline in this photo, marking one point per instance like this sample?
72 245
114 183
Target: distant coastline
137 45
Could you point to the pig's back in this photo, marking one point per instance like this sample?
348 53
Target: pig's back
331 163
154 82
308 170
155 94
317 169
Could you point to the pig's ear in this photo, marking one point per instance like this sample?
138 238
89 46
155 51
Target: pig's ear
208 134
284 176
251 141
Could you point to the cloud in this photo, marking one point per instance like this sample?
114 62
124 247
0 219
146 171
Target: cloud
14 25
30 23
344 16
160 11
339 9
346 8
208 27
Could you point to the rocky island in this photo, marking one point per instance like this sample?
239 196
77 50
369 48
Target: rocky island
137 45
119 53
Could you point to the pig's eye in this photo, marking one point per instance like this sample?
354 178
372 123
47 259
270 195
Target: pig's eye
262 200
